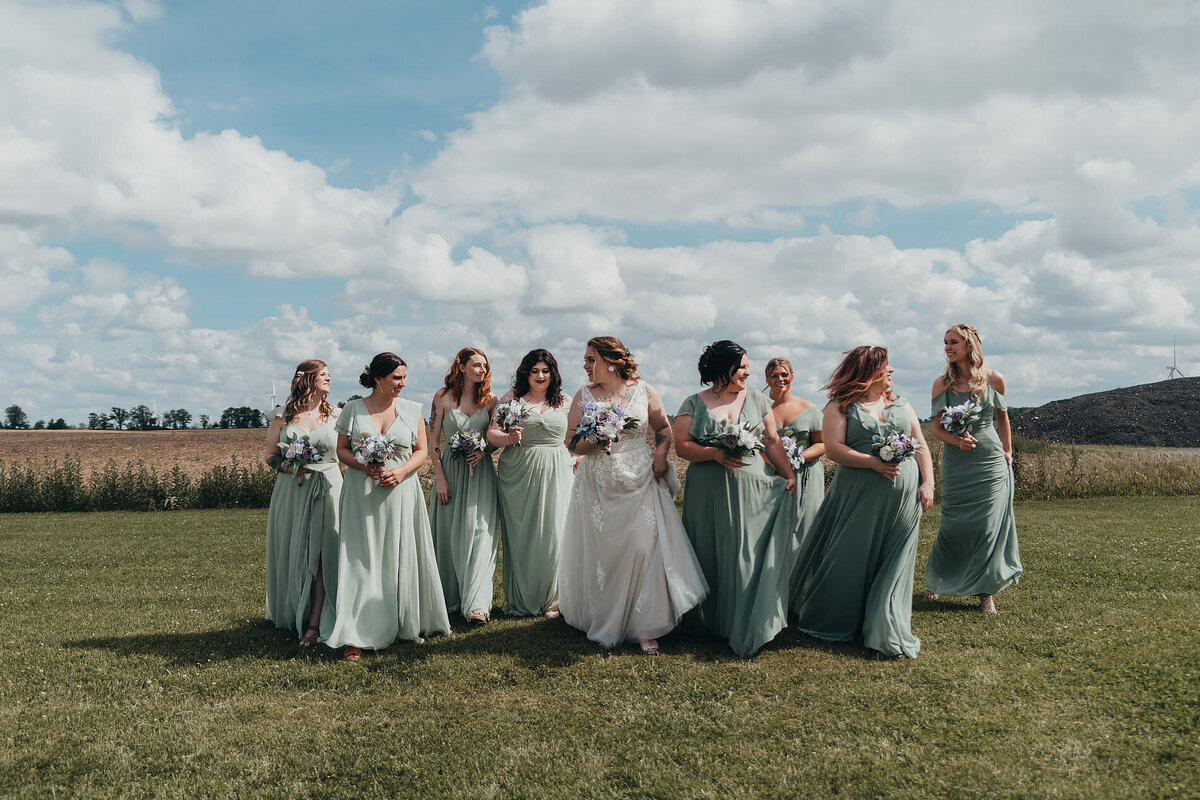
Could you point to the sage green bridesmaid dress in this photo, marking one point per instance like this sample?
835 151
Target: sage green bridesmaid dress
976 547
302 533
466 531
772 587
535 479
856 571
388 585
729 519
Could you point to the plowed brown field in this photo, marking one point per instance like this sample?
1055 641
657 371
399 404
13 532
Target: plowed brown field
192 451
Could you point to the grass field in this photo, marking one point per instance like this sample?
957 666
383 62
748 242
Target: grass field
135 663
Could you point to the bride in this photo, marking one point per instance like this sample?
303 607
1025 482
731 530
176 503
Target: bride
626 570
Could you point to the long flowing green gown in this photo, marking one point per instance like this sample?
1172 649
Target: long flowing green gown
388 585
466 531
535 480
302 533
772 586
729 519
856 571
976 547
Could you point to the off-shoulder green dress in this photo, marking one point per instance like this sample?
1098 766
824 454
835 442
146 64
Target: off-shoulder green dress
535 479
466 531
302 533
976 547
856 571
729 519
388 585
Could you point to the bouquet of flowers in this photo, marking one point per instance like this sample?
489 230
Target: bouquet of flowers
601 423
794 445
512 414
372 449
463 443
300 451
959 420
895 447
737 439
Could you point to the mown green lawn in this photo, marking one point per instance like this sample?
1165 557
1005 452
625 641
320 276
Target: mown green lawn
133 662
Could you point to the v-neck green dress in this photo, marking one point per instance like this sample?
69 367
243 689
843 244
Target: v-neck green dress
976 547
302 533
466 531
388 585
773 585
856 571
729 520
535 479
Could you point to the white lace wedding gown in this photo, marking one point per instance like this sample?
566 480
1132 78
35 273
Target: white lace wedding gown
626 570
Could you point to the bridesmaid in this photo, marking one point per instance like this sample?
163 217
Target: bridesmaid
466 516
730 504
856 573
794 518
302 523
976 548
535 477
388 586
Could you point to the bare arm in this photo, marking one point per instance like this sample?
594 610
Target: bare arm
1003 426
661 425
272 443
775 452
816 447
924 460
834 424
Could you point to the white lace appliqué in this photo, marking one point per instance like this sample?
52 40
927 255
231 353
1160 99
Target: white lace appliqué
600 575
637 606
597 516
648 518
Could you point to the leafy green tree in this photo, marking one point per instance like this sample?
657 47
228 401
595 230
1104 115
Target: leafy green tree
59 424
98 422
15 418
142 418
40 425
204 421
241 417
119 416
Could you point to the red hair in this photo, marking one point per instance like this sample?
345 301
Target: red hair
860 367
455 377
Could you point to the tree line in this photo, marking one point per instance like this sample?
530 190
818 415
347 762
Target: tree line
140 418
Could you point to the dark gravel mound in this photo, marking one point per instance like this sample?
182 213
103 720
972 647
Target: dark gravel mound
1163 414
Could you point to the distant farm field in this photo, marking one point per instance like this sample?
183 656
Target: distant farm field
193 451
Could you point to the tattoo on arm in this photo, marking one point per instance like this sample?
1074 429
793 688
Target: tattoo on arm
660 437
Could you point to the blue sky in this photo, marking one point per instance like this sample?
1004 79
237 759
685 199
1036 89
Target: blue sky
195 196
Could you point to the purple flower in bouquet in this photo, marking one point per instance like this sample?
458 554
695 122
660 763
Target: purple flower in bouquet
794 445
372 449
300 451
737 439
463 443
601 424
959 420
895 447
512 414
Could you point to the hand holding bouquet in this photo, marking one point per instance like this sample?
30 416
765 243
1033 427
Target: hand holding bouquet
895 447
959 420
736 439
464 443
371 449
512 414
601 423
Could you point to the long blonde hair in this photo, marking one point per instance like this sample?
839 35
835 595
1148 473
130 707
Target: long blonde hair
304 390
977 378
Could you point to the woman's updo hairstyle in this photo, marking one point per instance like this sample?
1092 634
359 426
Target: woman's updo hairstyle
381 366
719 361
616 355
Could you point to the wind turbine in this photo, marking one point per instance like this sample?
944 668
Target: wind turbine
272 406
1173 371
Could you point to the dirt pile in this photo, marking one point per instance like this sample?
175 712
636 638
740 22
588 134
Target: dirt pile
1164 414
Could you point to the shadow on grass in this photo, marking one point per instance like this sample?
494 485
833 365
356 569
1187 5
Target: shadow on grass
247 639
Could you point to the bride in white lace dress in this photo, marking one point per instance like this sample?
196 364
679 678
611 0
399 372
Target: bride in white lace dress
626 569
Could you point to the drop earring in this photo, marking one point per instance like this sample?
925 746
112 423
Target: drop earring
611 368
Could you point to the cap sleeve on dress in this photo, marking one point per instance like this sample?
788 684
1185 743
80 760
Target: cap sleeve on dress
818 419
688 407
998 401
940 403
343 421
759 405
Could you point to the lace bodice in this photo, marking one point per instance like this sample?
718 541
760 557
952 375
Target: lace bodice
633 403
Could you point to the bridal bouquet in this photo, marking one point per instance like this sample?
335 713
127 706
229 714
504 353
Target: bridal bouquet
512 414
959 420
463 443
601 423
794 445
300 451
895 447
737 439
372 449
